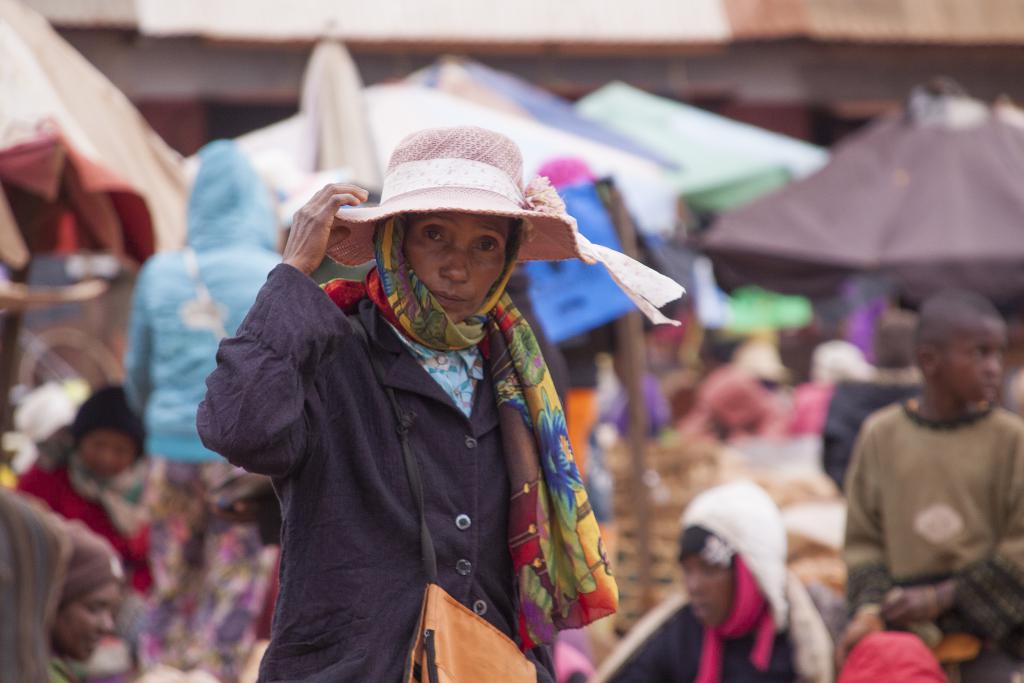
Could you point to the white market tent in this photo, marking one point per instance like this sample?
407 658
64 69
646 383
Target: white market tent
396 110
327 141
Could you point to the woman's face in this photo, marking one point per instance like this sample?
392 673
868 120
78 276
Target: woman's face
458 257
710 588
82 623
106 452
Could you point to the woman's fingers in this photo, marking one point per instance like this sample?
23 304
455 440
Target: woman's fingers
311 227
338 201
346 199
335 195
341 189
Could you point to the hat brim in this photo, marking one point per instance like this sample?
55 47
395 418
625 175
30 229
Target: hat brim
552 236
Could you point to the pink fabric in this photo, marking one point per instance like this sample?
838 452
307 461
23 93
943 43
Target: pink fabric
569 660
810 408
891 657
576 638
731 403
750 611
566 171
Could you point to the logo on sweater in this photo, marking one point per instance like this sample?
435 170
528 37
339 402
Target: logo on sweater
938 524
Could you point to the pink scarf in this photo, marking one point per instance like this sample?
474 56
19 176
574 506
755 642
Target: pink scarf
749 611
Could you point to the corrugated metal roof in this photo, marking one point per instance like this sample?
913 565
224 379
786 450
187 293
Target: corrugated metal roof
568 22
583 22
760 19
86 13
966 22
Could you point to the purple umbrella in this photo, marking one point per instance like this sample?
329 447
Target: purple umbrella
932 198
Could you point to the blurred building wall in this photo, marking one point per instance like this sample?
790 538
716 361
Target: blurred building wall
813 90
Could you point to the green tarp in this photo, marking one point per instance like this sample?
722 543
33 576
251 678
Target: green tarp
752 309
723 163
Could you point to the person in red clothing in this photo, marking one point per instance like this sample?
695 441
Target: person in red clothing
891 657
94 472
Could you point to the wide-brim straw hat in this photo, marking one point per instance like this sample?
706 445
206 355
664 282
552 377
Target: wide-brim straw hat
467 169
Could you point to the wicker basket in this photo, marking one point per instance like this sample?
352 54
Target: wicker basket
682 471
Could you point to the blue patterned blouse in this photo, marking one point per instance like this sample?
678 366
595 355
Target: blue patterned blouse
457 372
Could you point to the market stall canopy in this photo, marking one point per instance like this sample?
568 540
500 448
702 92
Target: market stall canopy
332 101
62 201
722 163
931 198
58 108
329 140
506 92
396 110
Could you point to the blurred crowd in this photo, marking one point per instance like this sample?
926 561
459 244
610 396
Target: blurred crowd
142 555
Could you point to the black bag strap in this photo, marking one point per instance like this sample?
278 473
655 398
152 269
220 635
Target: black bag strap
404 421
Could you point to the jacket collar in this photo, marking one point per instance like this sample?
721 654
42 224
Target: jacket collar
403 372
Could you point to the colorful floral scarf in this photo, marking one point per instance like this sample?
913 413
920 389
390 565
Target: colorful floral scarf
559 561
120 496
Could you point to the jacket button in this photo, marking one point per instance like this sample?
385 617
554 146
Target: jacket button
463 567
463 522
470 442
480 607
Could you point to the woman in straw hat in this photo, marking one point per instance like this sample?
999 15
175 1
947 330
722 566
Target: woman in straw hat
296 396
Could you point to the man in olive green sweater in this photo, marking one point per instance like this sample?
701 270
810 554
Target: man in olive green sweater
935 532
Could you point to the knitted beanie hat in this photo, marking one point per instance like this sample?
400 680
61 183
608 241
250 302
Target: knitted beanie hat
108 409
93 563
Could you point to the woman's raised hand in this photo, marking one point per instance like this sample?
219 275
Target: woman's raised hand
307 240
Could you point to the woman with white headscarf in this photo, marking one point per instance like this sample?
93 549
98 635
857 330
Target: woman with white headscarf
745 618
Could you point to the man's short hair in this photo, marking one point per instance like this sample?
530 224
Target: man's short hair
951 310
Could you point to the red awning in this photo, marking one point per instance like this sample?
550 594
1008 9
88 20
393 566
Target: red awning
65 201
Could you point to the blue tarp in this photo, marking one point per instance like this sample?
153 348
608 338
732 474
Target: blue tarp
572 297
547 108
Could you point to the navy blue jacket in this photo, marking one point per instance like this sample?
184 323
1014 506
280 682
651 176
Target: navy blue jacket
294 397
672 655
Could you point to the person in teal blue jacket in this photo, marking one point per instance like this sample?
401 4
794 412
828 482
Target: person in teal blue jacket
210 574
